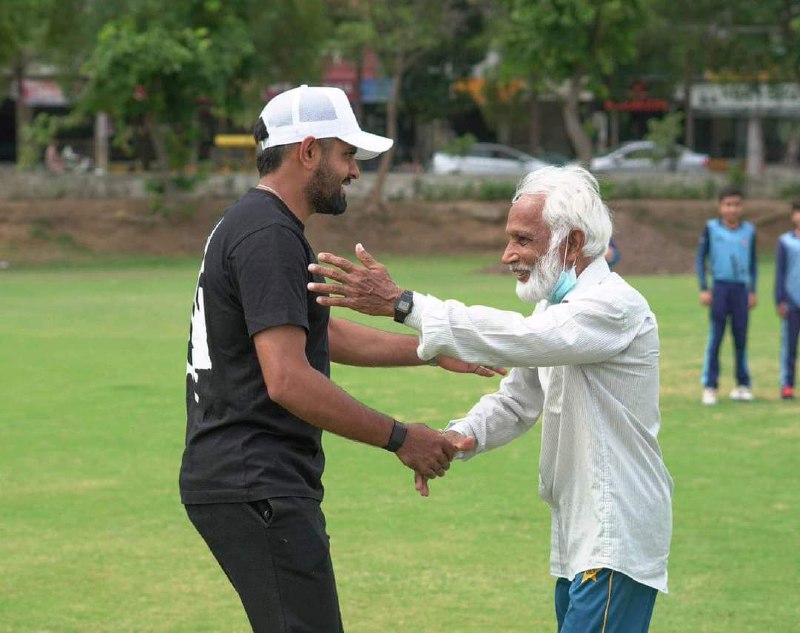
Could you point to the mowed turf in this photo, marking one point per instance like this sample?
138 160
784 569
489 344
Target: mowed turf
93 537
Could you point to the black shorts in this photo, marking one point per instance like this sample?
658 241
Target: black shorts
276 554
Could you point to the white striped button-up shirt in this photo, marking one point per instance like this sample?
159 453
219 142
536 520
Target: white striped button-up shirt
589 367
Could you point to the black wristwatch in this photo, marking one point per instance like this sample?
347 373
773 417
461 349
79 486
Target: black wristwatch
403 306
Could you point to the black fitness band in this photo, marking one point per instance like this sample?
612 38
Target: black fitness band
398 436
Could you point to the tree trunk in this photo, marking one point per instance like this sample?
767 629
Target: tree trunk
22 111
153 129
156 133
581 142
357 97
755 145
101 143
194 144
375 201
688 130
614 136
535 122
792 146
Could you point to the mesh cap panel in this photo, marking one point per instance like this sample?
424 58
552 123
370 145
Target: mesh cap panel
280 118
316 107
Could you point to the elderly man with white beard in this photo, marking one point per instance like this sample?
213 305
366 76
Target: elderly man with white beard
586 363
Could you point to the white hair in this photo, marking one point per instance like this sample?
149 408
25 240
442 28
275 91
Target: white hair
572 201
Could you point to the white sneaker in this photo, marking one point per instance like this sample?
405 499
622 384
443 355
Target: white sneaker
709 396
743 394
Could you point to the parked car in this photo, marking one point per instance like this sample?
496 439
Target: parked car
642 156
486 158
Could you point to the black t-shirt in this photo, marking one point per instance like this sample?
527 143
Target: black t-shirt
240 445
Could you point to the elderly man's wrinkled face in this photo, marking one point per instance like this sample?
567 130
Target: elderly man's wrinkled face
528 254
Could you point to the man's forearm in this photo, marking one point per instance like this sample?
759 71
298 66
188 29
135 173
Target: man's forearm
354 344
331 408
311 396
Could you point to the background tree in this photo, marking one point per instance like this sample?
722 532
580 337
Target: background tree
573 45
679 41
36 31
154 67
663 133
428 91
400 32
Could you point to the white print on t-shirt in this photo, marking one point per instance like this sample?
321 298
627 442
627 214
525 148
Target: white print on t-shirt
199 358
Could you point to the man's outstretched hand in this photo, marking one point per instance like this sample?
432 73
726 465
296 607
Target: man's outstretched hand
460 442
371 290
367 288
461 367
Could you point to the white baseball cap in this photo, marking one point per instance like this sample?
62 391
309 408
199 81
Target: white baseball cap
321 112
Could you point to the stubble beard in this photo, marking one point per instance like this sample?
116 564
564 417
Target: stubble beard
325 193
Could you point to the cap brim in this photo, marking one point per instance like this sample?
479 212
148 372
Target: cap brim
368 145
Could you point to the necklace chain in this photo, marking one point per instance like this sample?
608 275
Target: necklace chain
270 190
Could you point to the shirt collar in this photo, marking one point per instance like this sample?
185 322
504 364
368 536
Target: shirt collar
595 273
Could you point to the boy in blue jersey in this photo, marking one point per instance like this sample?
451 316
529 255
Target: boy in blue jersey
729 245
787 299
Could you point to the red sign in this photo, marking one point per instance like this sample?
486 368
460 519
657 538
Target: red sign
645 104
42 92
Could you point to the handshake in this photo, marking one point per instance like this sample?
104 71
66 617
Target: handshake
429 453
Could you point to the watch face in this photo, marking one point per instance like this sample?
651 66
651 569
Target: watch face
403 306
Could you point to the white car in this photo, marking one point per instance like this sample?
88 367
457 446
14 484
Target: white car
641 156
486 158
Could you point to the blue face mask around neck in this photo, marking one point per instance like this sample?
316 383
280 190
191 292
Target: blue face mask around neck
566 281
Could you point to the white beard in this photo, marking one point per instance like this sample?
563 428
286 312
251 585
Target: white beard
543 277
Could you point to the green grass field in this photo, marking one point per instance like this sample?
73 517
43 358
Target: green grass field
93 537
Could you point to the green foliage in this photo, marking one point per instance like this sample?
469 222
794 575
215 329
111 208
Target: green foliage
460 145
737 174
156 73
665 189
20 26
35 138
503 102
664 133
469 190
600 36
402 29
155 67
564 46
427 88
41 228
166 194
610 188
791 191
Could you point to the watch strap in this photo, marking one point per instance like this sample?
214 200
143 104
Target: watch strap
398 436
403 306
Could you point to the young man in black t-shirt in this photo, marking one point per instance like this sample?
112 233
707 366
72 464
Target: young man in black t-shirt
258 393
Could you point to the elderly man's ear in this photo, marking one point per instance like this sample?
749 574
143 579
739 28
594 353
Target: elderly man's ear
575 242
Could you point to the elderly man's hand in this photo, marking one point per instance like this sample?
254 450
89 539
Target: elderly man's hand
460 442
461 367
426 451
368 288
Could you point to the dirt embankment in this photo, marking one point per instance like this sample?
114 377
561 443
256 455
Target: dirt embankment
654 236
